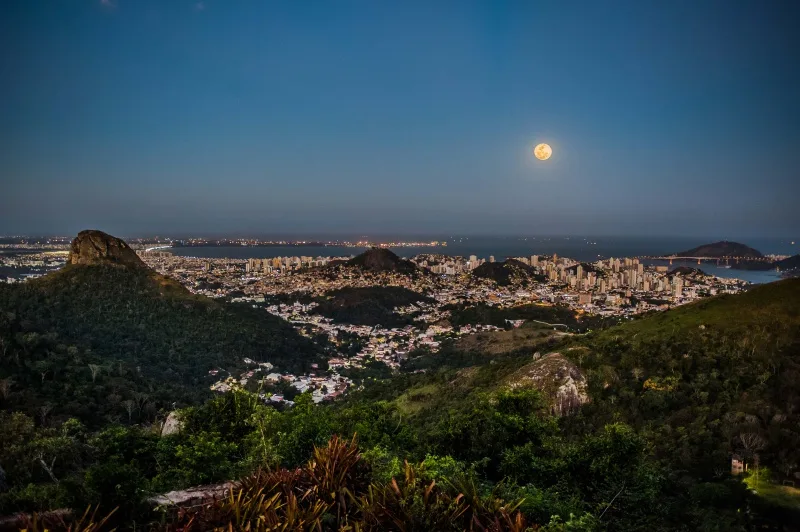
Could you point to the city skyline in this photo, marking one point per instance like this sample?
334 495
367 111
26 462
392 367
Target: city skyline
151 117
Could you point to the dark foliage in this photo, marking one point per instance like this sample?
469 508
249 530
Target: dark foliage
721 249
508 272
382 260
549 314
86 340
369 306
672 397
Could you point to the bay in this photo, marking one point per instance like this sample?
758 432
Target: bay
581 248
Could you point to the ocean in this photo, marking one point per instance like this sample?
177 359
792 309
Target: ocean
585 249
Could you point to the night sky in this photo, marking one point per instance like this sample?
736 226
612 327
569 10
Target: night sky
255 117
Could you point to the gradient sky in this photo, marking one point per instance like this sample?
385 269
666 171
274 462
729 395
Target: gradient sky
256 117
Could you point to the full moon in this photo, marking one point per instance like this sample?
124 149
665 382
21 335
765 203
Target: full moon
543 152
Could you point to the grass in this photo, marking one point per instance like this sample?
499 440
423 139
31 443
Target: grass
417 398
773 494
529 335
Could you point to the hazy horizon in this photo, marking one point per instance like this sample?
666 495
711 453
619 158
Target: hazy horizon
140 117
385 237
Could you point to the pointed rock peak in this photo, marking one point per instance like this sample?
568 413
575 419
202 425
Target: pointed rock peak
96 247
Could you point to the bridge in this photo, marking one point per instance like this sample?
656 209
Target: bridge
699 260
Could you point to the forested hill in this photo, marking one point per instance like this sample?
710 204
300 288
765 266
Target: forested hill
372 305
382 260
87 339
706 380
721 249
697 385
507 272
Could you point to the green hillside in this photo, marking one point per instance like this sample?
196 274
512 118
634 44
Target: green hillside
86 339
656 408
698 384
698 377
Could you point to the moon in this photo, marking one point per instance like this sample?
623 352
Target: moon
543 151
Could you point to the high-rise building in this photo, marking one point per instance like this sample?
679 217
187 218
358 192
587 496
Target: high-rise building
491 258
678 286
535 261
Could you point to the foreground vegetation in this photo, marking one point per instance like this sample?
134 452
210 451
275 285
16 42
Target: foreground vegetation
671 398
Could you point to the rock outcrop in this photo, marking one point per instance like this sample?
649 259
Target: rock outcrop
561 382
172 425
96 247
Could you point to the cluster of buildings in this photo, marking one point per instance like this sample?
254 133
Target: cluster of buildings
16 266
262 378
390 346
611 287
281 265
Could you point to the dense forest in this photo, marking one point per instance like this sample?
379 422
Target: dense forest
557 315
466 443
105 343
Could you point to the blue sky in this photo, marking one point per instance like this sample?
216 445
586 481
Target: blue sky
258 117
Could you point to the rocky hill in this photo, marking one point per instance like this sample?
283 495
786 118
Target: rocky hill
96 247
721 249
382 260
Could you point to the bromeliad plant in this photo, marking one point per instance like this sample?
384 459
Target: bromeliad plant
90 521
333 491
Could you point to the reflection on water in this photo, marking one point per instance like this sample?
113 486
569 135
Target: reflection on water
711 268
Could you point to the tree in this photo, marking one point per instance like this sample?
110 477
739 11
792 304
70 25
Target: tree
44 410
5 387
95 369
141 400
752 443
130 406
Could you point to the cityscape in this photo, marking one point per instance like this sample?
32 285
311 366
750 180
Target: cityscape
616 288
401 266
